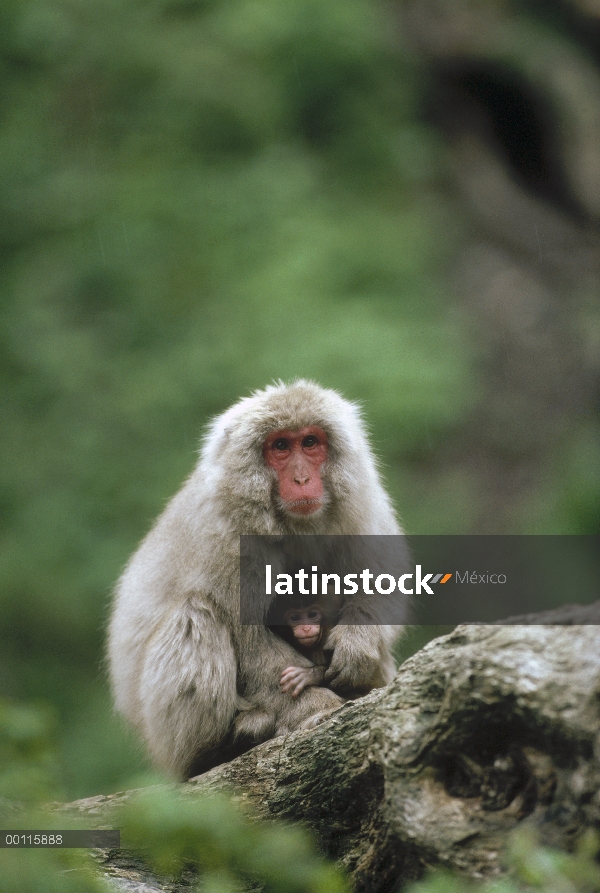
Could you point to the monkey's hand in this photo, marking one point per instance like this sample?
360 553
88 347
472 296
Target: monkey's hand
356 660
295 679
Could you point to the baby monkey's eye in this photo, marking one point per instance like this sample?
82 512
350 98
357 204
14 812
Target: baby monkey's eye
294 618
314 615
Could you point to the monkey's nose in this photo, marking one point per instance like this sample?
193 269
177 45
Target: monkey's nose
300 474
300 471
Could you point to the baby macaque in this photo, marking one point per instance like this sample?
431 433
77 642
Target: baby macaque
306 627
308 632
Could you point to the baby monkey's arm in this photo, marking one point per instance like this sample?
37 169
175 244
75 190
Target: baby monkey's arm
295 679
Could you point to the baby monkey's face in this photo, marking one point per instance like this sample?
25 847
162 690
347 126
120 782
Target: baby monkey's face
306 624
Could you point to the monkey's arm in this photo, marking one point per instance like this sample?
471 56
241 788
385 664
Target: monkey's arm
360 660
295 679
186 684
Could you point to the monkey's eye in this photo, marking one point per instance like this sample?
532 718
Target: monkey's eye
281 444
294 618
314 615
310 441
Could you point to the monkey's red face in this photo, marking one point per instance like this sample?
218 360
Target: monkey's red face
297 457
305 624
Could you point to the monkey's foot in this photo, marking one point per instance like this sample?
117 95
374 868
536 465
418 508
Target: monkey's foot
254 726
312 707
317 718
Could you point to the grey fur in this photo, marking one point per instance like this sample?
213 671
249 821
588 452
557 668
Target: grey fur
184 671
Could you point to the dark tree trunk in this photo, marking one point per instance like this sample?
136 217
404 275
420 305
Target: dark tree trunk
514 90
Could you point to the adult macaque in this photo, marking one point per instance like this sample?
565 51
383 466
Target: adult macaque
195 682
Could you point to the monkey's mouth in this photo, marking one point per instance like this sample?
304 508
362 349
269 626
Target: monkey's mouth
308 641
304 506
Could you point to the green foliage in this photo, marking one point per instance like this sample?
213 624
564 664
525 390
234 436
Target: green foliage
212 837
196 198
28 767
48 871
29 774
228 851
530 867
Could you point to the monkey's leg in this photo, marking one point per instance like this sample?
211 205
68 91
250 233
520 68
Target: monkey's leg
263 656
187 686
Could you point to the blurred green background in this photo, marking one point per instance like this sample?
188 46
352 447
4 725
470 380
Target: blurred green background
200 196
